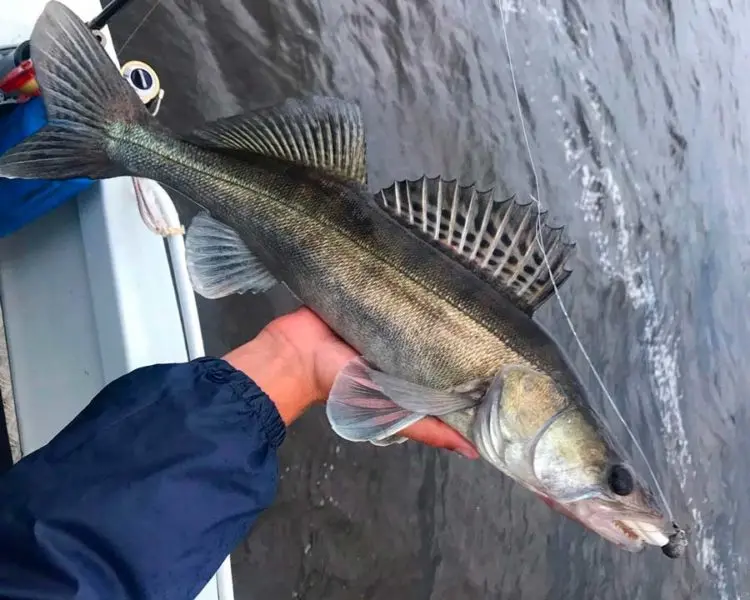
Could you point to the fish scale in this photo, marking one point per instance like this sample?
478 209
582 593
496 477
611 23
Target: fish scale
374 282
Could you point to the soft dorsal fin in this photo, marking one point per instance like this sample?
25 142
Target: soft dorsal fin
317 131
496 239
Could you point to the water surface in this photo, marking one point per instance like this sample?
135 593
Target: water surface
637 118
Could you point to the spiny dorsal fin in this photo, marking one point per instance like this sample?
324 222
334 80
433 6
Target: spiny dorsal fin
496 239
320 132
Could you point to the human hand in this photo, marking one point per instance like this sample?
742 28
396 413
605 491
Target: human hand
295 360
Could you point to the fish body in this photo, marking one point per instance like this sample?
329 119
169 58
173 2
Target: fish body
433 283
402 302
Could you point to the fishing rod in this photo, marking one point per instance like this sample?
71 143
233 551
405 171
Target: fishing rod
107 13
18 83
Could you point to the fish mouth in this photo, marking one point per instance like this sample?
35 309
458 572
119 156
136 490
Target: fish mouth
634 534
629 529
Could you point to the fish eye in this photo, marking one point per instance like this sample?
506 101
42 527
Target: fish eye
620 480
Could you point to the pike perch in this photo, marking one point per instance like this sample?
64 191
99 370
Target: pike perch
434 284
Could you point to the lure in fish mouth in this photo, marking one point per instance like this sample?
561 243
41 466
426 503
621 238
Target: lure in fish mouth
629 529
434 284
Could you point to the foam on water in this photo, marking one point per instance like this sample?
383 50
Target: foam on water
598 185
599 188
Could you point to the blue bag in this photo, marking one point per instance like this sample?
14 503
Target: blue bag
23 200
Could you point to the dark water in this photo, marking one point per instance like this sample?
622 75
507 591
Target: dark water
638 124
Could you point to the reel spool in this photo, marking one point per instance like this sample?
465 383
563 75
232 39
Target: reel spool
144 80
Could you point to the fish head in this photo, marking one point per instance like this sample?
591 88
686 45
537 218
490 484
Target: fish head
536 430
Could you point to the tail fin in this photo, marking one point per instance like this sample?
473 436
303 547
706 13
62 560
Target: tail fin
86 99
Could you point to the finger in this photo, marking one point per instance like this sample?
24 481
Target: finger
437 434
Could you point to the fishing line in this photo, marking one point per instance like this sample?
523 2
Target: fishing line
143 20
536 200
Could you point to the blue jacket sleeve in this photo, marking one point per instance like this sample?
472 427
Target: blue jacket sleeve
146 492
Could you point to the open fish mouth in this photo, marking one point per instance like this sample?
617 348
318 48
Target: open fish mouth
637 534
631 531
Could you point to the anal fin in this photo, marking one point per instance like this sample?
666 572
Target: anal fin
219 262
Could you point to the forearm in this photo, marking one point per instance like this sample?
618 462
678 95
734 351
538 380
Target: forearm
273 365
294 360
146 491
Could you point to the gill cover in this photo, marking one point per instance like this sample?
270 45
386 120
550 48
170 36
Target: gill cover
527 427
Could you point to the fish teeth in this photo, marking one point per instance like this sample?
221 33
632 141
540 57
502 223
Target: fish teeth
648 532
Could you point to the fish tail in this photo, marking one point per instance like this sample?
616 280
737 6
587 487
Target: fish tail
89 105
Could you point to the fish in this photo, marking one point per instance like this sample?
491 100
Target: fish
433 283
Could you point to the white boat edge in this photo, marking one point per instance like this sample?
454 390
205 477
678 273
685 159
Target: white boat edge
93 262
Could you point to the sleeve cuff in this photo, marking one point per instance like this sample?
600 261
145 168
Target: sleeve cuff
257 401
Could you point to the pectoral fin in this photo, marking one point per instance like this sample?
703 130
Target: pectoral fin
389 441
368 405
